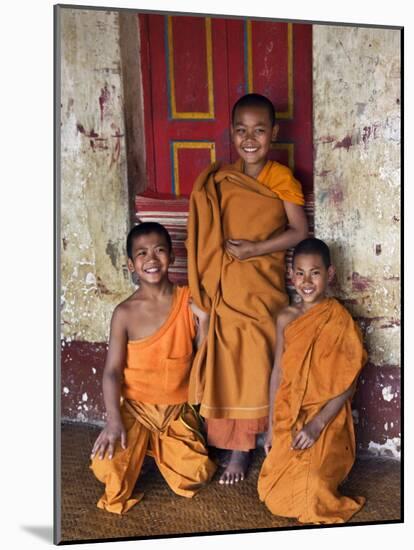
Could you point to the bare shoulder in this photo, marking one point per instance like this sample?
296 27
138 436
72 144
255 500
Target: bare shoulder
287 314
124 309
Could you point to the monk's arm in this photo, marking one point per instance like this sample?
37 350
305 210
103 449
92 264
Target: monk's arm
332 408
275 377
202 331
297 231
312 430
203 321
111 385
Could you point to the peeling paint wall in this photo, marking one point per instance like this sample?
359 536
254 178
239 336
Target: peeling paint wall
94 197
357 204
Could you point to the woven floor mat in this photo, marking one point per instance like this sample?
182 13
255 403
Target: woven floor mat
216 508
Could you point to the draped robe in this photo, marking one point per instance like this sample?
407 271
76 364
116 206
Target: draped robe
323 355
156 418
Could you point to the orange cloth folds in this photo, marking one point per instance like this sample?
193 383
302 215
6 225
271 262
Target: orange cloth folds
157 430
322 358
278 178
158 367
231 371
234 434
155 418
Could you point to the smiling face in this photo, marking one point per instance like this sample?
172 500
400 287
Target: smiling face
310 278
150 258
252 133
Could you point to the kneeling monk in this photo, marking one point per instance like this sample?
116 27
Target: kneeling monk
310 444
147 368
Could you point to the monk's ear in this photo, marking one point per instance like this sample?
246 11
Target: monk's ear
172 257
290 273
131 269
275 131
331 273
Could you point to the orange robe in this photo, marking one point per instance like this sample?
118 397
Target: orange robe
322 358
155 416
231 371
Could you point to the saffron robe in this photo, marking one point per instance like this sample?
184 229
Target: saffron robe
231 371
322 358
234 434
158 367
162 426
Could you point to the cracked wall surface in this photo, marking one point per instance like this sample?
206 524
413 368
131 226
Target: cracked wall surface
94 201
357 177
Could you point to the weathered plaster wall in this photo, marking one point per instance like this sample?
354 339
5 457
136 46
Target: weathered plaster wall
93 170
94 196
357 205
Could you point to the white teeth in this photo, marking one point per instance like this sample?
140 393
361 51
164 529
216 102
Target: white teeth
151 270
307 290
250 150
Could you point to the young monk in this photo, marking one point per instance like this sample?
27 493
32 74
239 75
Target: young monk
242 218
310 443
145 381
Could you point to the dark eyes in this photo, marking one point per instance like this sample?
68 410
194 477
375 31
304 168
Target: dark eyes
300 273
158 249
243 130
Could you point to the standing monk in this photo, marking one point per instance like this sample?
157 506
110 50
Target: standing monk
242 219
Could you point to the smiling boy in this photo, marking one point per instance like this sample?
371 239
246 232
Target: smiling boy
310 444
242 218
145 380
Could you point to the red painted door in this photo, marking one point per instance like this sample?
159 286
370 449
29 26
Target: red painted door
195 68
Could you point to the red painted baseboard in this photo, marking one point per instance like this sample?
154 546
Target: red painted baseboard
376 404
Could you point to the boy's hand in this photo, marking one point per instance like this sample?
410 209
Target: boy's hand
107 439
307 436
240 248
268 440
202 316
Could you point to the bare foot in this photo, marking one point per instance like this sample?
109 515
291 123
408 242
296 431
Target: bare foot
221 456
236 468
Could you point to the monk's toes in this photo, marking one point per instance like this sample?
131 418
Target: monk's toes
223 479
231 478
239 477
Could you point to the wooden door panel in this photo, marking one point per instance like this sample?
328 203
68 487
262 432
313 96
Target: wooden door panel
183 68
195 68
190 65
268 54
